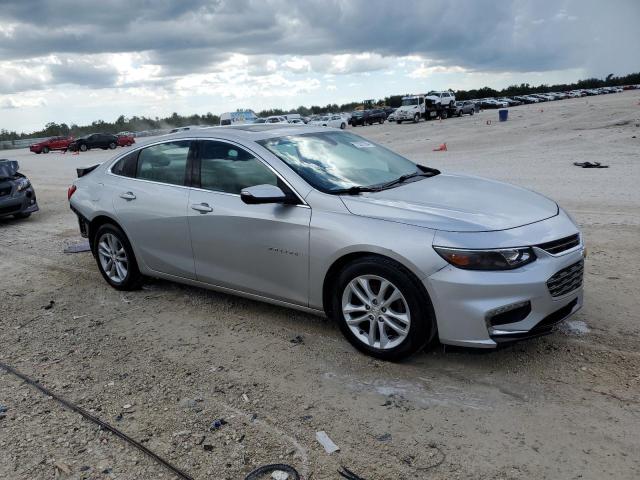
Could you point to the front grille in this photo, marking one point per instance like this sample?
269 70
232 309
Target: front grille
566 280
559 246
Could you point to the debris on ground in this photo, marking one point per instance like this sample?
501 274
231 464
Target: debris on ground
297 340
441 148
348 474
590 165
326 442
217 424
78 247
575 327
277 471
384 438
63 467
49 305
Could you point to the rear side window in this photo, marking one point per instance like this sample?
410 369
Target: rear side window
165 163
227 168
126 166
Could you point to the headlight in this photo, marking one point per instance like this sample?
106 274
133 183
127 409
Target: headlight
23 184
499 259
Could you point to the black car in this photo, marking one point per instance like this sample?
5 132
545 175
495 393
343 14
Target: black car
17 196
94 140
368 117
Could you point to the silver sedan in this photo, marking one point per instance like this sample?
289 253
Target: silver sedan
325 221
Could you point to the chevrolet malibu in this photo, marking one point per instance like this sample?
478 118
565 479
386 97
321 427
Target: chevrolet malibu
324 221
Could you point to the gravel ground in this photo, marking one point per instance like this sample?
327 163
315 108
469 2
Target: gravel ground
163 362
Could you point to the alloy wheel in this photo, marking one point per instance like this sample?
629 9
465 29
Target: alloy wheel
376 312
113 258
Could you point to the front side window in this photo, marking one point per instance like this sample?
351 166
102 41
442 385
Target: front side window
227 168
165 162
331 161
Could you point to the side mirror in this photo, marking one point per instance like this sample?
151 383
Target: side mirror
265 194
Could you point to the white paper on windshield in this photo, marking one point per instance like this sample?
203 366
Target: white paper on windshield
363 144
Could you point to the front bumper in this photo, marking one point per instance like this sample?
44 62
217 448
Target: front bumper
18 203
466 302
406 115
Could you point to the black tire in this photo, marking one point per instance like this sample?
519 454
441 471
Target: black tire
343 126
45 150
22 215
443 115
416 118
38 152
398 122
381 121
472 111
112 145
134 278
422 329
460 113
83 147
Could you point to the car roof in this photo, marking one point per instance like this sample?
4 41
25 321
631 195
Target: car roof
253 132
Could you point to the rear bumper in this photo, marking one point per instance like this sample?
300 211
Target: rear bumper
468 303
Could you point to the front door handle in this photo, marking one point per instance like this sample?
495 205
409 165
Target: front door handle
128 196
202 207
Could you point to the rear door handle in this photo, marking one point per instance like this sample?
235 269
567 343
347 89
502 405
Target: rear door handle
128 196
202 207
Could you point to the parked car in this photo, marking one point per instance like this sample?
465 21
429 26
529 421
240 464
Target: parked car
444 99
296 121
367 117
94 140
276 119
465 107
17 196
331 223
53 143
335 121
125 140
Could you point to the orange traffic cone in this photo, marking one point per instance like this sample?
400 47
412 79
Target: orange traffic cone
441 148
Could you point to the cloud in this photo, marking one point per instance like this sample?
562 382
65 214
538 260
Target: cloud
191 35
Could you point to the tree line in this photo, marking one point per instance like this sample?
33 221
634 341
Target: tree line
138 124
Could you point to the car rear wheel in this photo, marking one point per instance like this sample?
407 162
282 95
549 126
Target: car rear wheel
398 122
382 309
343 126
112 145
472 112
416 118
83 148
115 258
45 150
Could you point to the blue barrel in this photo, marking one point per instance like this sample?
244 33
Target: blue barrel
503 114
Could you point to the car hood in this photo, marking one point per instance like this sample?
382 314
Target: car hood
456 203
406 108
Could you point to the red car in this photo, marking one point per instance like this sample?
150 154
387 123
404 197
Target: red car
125 140
53 143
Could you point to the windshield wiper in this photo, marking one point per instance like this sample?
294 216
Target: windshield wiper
356 189
402 179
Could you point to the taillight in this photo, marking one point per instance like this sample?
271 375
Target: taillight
72 189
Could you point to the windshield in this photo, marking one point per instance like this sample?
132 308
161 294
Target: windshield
357 113
433 93
331 161
409 101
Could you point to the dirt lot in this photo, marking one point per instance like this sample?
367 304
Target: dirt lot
163 362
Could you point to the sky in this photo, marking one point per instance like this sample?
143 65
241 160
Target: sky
79 61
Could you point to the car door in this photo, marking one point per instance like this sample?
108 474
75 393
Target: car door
258 249
150 198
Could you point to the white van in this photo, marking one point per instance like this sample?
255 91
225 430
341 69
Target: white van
239 117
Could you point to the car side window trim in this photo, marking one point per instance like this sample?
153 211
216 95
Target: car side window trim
193 180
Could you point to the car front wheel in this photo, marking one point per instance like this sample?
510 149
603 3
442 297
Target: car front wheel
83 148
45 150
115 258
382 309
112 145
